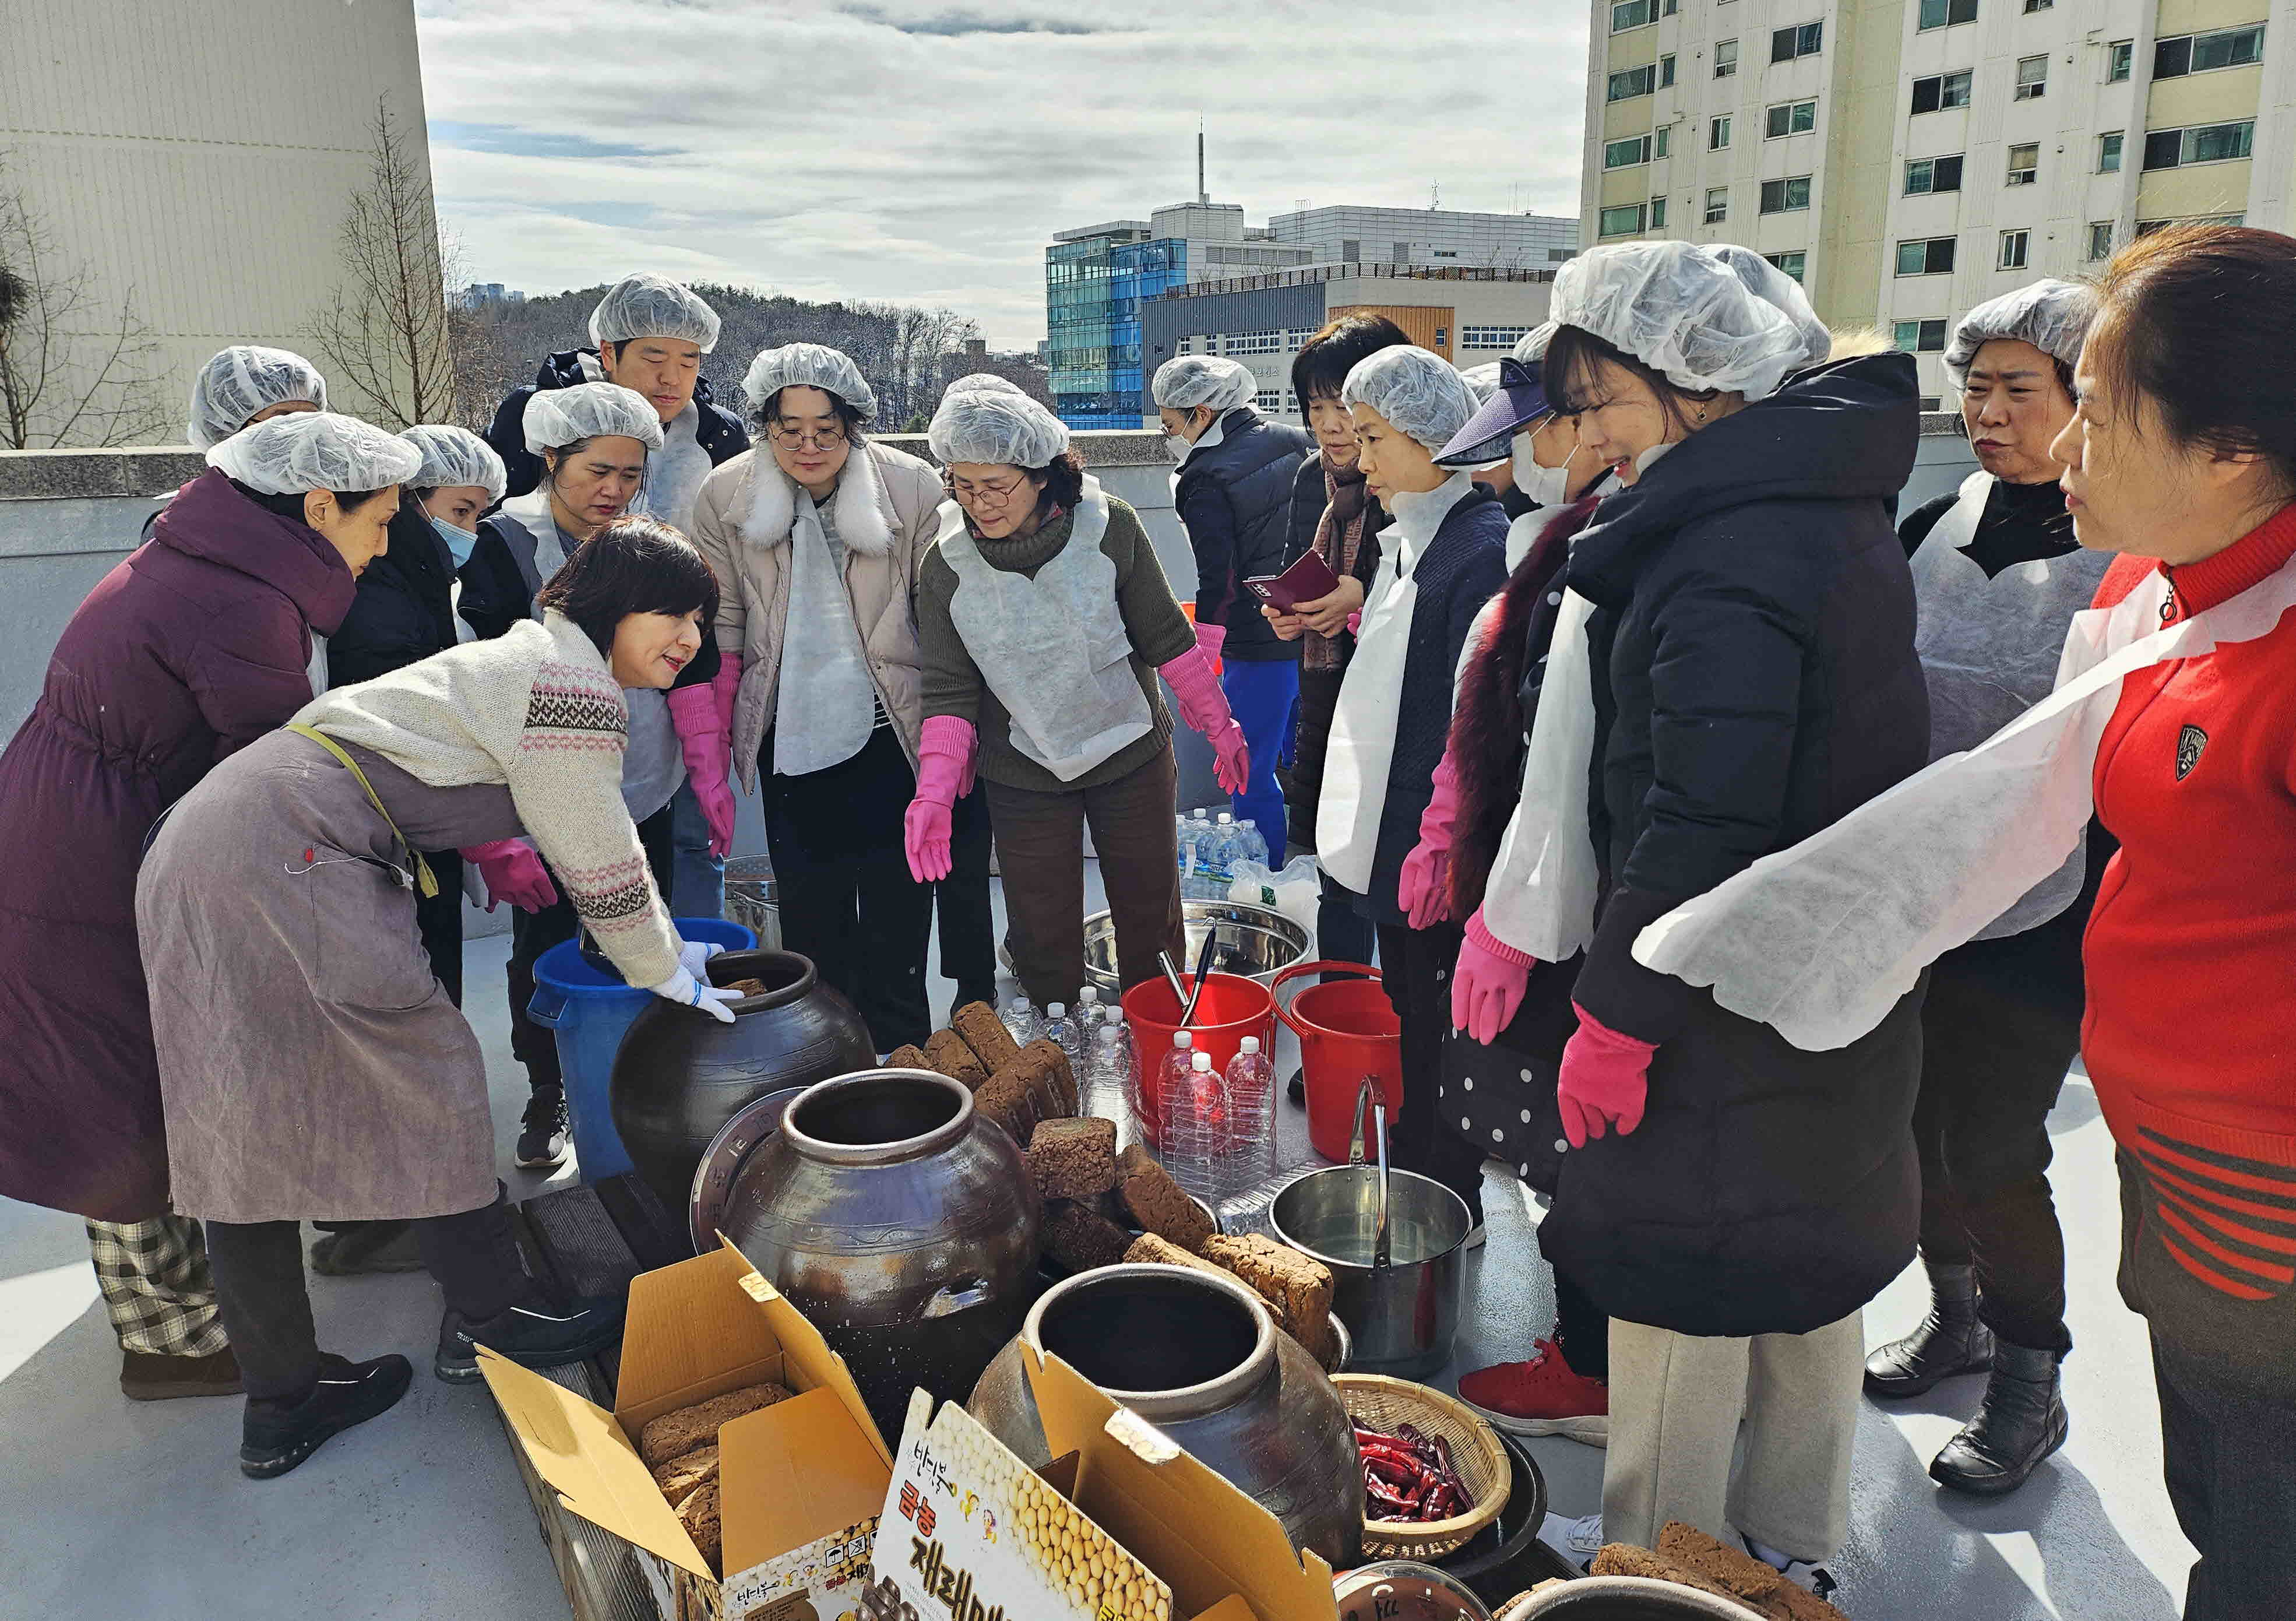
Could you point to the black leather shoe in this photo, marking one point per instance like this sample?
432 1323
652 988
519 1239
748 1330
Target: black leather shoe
1950 1341
536 1334
2022 1422
275 1437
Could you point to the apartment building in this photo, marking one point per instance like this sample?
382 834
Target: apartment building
1909 158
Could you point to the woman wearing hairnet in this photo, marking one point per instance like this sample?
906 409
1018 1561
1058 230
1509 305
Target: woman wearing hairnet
595 442
1232 492
1998 576
310 1062
1442 555
1732 668
815 539
1044 620
248 384
191 649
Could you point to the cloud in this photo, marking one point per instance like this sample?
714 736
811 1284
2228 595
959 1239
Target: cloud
926 151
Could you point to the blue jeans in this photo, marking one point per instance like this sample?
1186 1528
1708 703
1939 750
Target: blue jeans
697 883
1260 694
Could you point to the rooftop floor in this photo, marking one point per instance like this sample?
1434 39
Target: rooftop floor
115 1508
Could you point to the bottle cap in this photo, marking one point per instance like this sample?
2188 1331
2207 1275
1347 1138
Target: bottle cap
1181 1038
1249 1044
1056 1010
1201 1063
1226 819
1089 996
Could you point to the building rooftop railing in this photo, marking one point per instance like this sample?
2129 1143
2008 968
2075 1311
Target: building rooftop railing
1306 275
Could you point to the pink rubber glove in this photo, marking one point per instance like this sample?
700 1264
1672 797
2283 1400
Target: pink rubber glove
1426 871
1209 637
725 686
1487 985
1605 1079
1355 623
693 711
513 872
944 775
1204 707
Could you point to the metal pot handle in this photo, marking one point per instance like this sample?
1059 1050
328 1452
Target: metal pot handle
1329 965
951 1299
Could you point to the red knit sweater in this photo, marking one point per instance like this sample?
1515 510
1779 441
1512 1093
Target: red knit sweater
2190 1035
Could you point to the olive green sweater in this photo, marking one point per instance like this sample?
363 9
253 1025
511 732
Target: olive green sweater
954 685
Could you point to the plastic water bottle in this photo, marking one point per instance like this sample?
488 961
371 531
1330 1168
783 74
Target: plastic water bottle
1251 1094
1153 1086
1250 845
1088 1003
1223 853
1062 1032
1107 1075
1208 887
1199 1130
1021 1021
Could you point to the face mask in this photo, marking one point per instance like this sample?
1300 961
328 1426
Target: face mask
459 541
1179 445
1548 486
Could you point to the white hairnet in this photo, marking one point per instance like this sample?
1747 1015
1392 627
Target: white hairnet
646 306
984 382
1682 311
242 380
1773 285
1419 391
1185 381
558 417
2050 315
314 450
453 458
1482 382
980 425
1532 349
813 365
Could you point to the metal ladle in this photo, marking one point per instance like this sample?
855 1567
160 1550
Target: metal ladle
1203 966
1369 1098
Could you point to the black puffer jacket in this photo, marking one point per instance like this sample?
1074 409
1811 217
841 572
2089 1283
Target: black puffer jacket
1755 680
405 609
1236 500
720 431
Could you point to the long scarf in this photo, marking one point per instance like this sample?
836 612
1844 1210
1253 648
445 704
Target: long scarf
1339 537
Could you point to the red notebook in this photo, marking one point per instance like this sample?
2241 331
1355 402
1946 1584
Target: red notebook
1309 579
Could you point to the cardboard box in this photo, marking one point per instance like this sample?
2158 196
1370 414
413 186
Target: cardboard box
800 1482
1123 1526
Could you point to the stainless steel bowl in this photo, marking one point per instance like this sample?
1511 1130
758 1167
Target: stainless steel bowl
1256 942
1403 1315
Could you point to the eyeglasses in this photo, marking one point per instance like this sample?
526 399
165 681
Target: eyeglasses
812 438
987 495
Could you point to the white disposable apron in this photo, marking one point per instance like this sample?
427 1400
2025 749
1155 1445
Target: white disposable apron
1053 649
1540 896
1820 941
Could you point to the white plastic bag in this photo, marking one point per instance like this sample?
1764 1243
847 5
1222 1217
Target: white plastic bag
1295 892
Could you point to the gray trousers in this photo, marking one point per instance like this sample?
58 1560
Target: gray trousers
1676 1403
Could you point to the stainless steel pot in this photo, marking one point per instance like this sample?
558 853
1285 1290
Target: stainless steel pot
1403 1314
1255 942
1199 1357
901 1223
1622 1599
1403 1590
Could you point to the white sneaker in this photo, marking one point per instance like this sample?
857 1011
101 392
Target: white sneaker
1578 1540
1809 1576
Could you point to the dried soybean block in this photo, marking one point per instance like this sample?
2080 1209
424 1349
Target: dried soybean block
699 1516
945 1051
681 1478
1073 1159
674 1434
1298 1287
1008 1101
1043 1067
1751 1582
1149 1250
1158 1203
907 1057
985 1033
1082 1239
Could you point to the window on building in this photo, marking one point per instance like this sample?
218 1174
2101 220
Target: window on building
1925 256
1944 14
1252 343
1921 337
1350 251
1492 337
1717 204
1805 39
1942 91
1623 220
1398 253
1632 14
2119 56
1658 214
2015 246
2146 228
1726 57
2032 77
2183 54
2199 143
1927 175
1268 401
2024 163
1791 263
1626 154
2108 151
1662 145
1630 82
2100 239
1442 337
2039 5
1665 71
1789 118
1717 132
1785 196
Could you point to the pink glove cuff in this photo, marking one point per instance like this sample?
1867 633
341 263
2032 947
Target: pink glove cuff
1435 822
1203 704
1499 948
1597 1034
945 751
487 852
726 687
1209 637
694 711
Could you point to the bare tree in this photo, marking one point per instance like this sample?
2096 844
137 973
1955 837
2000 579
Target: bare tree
74 370
388 332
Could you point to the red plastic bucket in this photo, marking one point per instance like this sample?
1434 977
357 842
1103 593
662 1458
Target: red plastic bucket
1347 1030
1231 1008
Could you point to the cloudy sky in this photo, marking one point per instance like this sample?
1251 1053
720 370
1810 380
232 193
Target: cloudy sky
925 151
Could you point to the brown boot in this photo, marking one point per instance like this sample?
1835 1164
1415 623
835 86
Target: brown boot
146 1378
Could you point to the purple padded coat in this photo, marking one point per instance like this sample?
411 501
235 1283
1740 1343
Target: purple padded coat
193 648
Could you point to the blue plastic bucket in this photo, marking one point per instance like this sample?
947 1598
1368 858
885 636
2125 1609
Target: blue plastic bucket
589 1011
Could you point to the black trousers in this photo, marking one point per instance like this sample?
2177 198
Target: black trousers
532 934
266 1310
847 899
439 917
968 919
1582 1330
1415 967
2225 1443
1343 933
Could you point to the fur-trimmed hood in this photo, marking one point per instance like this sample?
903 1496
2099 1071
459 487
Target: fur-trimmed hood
861 508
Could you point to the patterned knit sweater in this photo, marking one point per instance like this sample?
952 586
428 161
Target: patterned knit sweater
536 709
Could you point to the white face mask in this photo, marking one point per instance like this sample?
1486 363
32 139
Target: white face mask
1179 444
1548 486
459 541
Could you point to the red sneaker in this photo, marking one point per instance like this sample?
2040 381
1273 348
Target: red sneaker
1541 1397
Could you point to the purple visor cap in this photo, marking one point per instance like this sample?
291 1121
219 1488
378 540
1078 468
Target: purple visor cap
1521 397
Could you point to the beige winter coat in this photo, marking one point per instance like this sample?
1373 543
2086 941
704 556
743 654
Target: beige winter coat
884 511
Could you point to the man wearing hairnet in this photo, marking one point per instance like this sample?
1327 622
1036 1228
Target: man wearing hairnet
1997 578
1234 494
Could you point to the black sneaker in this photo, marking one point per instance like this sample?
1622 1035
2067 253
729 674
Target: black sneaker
541 1135
275 1437
536 1335
367 1247
1296 1089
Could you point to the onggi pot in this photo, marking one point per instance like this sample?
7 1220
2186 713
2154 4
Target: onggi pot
901 1223
680 1076
1199 1357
